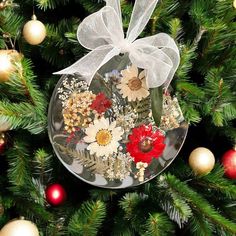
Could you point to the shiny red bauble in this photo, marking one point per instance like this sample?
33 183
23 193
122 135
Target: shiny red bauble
55 194
229 163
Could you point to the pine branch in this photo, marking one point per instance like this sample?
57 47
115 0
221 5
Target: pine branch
2 43
191 114
187 55
61 47
224 10
42 165
199 204
219 96
136 210
50 4
126 8
164 12
176 207
201 10
30 113
10 24
21 115
91 5
32 210
18 157
189 88
121 227
129 202
102 194
199 226
216 181
176 30
158 225
23 82
88 219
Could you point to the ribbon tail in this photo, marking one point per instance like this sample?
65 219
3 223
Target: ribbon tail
87 66
115 4
141 14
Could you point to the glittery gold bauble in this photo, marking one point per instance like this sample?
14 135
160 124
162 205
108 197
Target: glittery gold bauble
7 59
234 4
34 31
201 160
19 228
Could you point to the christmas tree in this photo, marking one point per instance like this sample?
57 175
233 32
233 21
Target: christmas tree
179 201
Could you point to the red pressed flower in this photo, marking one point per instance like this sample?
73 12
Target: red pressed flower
101 103
145 144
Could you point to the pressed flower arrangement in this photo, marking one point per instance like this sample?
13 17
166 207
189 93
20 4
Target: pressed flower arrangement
105 133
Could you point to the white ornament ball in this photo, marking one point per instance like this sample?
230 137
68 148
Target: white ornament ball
19 228
34 31
201 160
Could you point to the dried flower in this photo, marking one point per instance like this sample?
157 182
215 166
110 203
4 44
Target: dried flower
103 137
145 144
172 115
77 112
133 85
101 103
119 166
114 76
141 166
70 86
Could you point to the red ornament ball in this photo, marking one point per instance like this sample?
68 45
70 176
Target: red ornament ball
2 143
55 194
229 163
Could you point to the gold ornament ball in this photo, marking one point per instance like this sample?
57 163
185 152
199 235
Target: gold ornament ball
19 228
234 4
201 160
34 31
7 59
4 126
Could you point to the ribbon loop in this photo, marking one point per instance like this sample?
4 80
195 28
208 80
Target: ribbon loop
140 16
102 32
100 28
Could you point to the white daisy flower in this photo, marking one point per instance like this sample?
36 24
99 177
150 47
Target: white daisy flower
133 85
103 137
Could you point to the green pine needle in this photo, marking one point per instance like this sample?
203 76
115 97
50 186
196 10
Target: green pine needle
158 225
18 157
216 181
198 203
50 4
88 219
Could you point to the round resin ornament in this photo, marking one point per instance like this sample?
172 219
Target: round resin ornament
113 132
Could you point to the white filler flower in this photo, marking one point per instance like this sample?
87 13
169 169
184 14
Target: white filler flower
103 137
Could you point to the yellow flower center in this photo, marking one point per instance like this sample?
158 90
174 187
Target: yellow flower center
146 145
135 84
103 137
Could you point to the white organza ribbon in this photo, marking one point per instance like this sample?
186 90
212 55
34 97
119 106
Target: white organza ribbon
102 33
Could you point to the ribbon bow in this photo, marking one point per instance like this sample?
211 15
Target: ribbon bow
102 33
